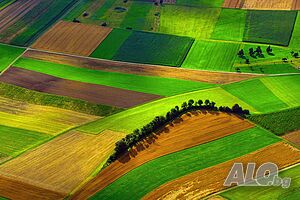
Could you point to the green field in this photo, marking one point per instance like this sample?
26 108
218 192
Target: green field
188 21
279 122
295 40
146 84
153 48
211 55
256 94
201 3
30 96
8 54
137 117
78 10
266 193
271 27
111 44
175 165
137 16
230 25
5 3
100 12
280 68
285 88
14 140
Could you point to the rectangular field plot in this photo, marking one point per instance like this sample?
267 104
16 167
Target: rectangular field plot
48 120
295 39
268 27
72 38
256 94
264 193
211 55
268 5
145 84
188 21
8 55
230 25
233 4
153 48
63 163
23 21
201 3
14 141
268 69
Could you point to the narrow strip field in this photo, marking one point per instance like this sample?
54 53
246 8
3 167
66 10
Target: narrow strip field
85 91
71 158
139 69
266 193
72 38
141 115
44 119
233 4
163 169
210 180
296 5
191 130
145 84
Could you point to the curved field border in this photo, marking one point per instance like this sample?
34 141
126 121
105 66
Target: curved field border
163 169
138 69
208 181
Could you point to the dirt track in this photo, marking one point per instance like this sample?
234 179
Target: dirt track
193 130
140 69
89 92
293 137
210 180
72 38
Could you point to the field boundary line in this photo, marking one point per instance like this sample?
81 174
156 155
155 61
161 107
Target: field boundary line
3 71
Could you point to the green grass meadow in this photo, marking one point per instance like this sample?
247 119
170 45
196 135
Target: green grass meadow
201 3
230 25
271 27
295 40
266 193
146 84
175 165
137 117
211 55
14 140
280 68
279 122
255 93
8 54
153 48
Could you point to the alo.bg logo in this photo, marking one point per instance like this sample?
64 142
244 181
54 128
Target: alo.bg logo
266 175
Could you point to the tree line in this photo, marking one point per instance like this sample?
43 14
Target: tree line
138 135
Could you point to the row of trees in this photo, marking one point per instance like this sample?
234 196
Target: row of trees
159 122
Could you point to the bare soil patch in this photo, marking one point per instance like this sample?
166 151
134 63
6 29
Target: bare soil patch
208 181
268 5
191 130
140 69
89 92
72 38
296 5
233 3
293 137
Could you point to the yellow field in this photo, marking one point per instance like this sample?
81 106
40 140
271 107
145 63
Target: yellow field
268 5
62 164
43 119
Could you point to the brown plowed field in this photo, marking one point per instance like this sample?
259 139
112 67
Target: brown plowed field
293 137
62 164
17 190
72 38
139 69
210 180
191 130
233 3
296 5
89 92
268 5
15 11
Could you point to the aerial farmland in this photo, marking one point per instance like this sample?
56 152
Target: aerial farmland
149 99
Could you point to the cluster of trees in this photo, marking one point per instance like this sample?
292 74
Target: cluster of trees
159 122
254 53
